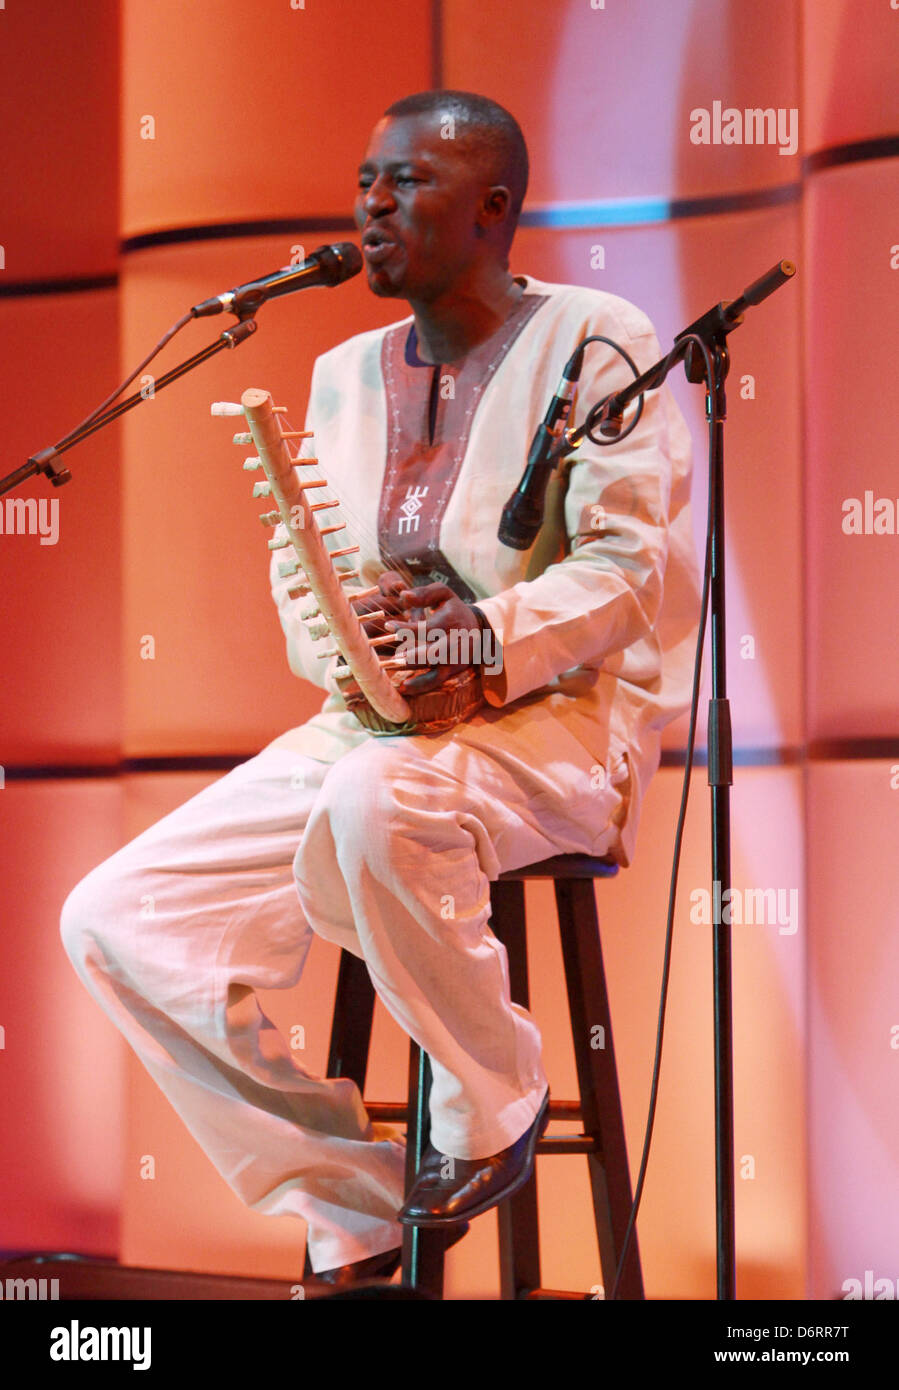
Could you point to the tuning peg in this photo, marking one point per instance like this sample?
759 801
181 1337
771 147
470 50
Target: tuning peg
317 629
225 408
270 518
251 464
243 438
262 489
288 567
279 542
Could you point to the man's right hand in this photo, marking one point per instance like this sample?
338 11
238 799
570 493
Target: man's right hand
390 583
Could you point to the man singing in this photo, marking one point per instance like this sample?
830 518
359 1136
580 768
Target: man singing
387 845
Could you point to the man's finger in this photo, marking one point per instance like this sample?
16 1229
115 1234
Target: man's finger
416 656
428 596
426 680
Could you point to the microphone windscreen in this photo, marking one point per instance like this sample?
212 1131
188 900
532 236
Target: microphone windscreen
340 261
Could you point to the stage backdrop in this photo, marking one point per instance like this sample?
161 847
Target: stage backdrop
158 154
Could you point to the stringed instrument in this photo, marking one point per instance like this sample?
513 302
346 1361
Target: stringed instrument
367 680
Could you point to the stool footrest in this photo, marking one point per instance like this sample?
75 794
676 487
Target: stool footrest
397 1110
387 1110
568 1144
556 1294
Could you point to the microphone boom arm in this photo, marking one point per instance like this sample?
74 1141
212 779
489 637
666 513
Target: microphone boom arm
711 328
44 461
328 266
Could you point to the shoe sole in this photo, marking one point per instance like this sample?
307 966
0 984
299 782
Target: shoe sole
321 1287
432 1222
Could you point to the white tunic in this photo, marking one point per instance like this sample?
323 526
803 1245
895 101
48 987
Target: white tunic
601 613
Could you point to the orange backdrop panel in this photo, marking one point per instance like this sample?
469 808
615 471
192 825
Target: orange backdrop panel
604 95
677 1221
236 110
853 362
850 54
853 1024
62 1102
60 681
58 106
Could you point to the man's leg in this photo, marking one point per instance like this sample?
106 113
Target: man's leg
418 827
172 936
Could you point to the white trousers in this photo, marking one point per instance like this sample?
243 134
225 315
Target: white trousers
388 852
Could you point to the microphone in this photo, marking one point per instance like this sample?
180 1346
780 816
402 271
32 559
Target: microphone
523 513
328 265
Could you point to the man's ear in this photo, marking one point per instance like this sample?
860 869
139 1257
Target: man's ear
496 205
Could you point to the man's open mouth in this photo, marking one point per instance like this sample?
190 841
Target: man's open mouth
377 246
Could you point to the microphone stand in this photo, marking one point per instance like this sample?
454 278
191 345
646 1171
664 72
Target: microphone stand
704 344
45 460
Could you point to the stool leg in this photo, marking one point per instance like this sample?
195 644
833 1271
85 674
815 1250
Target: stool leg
423 1247
598 1081
519 1236
354 1006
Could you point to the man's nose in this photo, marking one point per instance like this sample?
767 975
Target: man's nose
378 198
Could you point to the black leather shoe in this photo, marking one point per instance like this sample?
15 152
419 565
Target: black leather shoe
475 1184
381 1267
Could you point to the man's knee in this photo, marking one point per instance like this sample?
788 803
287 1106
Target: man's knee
91 917
80 916
354 821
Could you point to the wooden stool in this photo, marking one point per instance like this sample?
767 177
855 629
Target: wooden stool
598 1109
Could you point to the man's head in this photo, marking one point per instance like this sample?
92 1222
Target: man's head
440 189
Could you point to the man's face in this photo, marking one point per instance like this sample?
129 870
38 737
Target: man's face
417 208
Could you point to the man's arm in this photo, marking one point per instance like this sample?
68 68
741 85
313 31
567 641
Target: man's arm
606 593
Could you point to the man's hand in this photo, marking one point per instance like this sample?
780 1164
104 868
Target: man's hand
450 614
390 583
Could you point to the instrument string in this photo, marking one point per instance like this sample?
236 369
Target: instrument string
358 532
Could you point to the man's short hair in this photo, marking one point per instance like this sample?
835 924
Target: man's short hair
494 132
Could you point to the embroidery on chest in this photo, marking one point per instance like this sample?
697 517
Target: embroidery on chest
409 508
